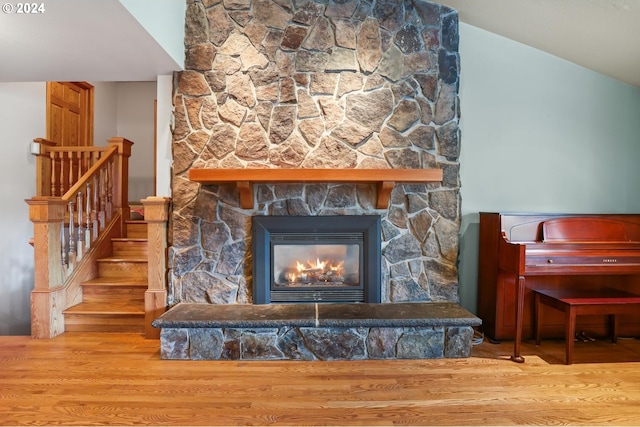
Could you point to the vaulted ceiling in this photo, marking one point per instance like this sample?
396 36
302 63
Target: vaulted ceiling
80 40
601 35
99 40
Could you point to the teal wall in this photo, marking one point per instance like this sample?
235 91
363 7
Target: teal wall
539 134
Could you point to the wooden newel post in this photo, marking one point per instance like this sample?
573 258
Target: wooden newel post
156 214
43 166
47 298
121 186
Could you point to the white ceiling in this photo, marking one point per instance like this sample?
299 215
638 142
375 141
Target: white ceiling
79 40
99 40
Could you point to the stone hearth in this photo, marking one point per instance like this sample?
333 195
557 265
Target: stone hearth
316 331
327 84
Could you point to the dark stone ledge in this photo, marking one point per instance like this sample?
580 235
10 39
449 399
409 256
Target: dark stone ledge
412 314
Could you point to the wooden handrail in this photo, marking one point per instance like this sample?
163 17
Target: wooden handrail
244 179
45 142
82 149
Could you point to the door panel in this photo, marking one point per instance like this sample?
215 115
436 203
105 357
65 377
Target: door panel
70 113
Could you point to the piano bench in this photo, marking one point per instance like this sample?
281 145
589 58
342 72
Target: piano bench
575 302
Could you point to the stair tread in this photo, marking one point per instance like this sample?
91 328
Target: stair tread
105 308
130 239
116 281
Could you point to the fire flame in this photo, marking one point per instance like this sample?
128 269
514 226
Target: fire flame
311 266
318 271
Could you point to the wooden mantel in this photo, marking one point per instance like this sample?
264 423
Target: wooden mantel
385 179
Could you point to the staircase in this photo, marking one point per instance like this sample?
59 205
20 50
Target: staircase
87 278
114 300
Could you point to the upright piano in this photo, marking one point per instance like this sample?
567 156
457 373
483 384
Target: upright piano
522 252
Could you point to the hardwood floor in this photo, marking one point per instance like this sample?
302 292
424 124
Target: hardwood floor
119 379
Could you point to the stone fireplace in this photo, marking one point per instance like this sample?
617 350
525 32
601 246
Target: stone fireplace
326 84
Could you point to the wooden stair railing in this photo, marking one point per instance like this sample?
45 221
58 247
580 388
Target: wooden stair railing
59 168
73 229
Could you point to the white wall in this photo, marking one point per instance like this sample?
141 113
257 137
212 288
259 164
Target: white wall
22 118
164 158
539 134
135 112
105 112
126 109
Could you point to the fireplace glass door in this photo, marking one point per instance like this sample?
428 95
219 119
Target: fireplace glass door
315 259
304 266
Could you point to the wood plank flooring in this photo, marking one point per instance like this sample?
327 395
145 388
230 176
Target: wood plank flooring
119 379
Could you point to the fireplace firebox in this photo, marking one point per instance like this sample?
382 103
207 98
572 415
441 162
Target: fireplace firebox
316 259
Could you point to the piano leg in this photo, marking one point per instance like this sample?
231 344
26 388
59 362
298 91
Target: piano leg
537 315
613 320
516 357
570 332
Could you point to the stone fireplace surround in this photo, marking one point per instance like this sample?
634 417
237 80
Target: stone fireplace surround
328 84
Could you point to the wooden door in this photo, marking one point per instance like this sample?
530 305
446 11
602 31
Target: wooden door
70 113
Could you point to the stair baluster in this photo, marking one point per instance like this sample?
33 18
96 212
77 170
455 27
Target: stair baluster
109 176
70 177
64 173
81 228
103 196
88 239
63 251
55 164
71 259
94 207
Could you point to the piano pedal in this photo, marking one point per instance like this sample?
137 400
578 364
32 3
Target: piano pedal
585 337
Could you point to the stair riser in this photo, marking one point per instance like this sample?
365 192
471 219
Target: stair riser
104 323
137 235
135 249
137 231
111 294
120 269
